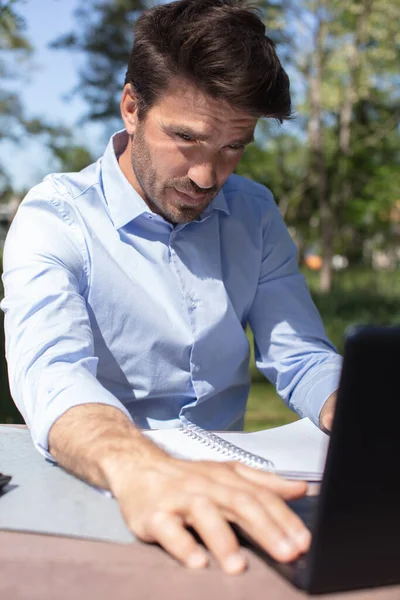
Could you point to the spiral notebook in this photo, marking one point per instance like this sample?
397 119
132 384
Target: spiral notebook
294 451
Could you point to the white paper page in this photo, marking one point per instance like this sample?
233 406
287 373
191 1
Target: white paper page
297 447
181 445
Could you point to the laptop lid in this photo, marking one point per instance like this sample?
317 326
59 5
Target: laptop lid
356 534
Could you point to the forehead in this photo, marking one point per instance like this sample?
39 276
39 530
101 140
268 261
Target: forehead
185 103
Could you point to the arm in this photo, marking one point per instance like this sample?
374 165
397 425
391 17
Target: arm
291 346
49 340
160 496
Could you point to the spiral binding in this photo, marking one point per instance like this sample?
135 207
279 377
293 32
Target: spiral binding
233 452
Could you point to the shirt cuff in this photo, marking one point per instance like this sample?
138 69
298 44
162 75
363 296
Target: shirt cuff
88 388
315 392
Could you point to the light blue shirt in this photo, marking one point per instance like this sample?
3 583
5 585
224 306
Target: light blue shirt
107 302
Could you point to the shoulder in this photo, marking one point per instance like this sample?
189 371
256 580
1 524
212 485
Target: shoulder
252 207
248 197
58 197
251 191
48 221
65 186
250 202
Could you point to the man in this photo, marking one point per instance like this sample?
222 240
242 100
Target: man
128 288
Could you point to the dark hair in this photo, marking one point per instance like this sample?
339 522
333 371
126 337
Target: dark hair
218 45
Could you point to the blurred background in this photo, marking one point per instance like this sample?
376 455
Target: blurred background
334 169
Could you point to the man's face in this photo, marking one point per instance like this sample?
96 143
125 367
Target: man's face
184 150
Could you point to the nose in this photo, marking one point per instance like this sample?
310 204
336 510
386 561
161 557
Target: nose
203 175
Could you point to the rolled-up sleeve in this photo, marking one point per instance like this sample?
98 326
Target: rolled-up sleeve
49 342
291 346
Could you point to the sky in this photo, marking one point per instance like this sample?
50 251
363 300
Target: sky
47 84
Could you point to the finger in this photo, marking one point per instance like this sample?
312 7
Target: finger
217 534
269 490
257 520
327 423
287 489
235 474
169 531
291 524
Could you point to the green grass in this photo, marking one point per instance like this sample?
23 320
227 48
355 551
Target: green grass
265 409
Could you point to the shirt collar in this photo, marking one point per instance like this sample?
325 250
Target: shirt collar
219 203
124 203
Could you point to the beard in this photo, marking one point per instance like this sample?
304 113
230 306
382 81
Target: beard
156 191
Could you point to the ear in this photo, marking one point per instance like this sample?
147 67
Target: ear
129 108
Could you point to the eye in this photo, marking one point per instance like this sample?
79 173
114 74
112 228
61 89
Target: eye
236 147
184 136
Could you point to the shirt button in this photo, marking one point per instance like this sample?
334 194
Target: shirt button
196 368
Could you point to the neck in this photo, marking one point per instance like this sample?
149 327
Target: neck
125 164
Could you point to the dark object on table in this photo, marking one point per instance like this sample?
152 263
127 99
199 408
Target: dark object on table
4 479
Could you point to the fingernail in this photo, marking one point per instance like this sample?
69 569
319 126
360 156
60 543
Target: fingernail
285 548
234 563
197 560
303 539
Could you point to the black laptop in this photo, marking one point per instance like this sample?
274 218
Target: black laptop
355 520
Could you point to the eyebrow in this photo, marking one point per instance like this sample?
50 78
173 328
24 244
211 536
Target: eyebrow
247 140
201 137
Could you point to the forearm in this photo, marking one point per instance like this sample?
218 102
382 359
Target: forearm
96 441
160 496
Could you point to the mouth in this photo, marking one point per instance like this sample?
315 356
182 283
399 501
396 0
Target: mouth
191 200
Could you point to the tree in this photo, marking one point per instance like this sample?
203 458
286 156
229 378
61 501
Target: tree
348 74
15 52
105 36
14 46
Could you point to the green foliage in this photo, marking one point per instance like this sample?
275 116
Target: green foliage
105 36
358 296
265 409
8 411
14 46
345 59
12 27
14 49
278 163
71 158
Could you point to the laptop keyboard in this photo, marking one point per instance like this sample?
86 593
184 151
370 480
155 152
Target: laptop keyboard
305 508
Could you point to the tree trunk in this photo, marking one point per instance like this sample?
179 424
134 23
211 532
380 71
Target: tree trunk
350 97
317 149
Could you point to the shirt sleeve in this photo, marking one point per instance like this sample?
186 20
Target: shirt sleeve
49 342
291 346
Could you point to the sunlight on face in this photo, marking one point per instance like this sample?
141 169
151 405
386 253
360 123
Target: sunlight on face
185 149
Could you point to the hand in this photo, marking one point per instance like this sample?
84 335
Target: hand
327 413
160 501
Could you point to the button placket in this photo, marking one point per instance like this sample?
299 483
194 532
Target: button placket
191 301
